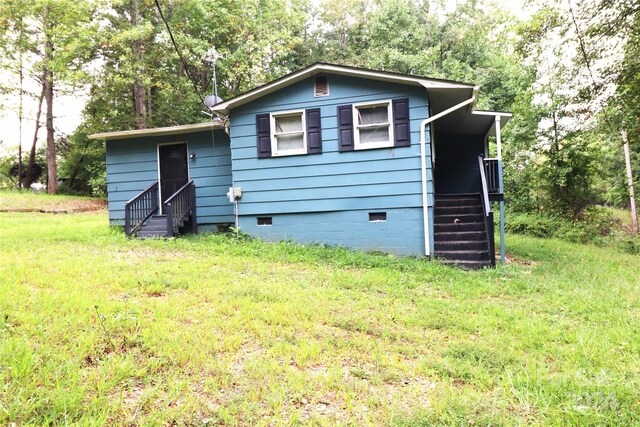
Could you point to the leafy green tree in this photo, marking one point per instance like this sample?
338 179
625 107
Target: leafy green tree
55 35
144 83
83 164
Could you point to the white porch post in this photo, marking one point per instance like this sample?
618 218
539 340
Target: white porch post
499 147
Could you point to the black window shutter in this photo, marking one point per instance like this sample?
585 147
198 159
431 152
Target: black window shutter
345 128
314 131
263 132
401 135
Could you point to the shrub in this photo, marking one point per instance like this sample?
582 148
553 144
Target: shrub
628 244
536 225
595 226
594 223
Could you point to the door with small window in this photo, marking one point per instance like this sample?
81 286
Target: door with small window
173 169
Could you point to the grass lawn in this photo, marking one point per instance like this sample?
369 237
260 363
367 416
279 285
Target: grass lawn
96 329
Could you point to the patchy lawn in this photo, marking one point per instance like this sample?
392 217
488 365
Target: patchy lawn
96 329
26 201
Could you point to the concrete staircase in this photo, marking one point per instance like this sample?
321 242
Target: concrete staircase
460 231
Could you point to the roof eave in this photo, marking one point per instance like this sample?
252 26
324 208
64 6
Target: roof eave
318 68
163 131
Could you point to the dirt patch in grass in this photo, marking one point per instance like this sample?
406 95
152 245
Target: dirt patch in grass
512 259
44 203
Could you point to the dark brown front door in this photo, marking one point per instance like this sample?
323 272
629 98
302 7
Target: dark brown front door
174 170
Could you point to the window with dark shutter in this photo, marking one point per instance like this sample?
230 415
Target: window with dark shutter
345 128
288 133
314 131
321 86
372 124
263 133
401 134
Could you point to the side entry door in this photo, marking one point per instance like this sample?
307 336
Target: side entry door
173 169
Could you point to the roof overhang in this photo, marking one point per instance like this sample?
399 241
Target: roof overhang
164 131
465 120
487 120
323 68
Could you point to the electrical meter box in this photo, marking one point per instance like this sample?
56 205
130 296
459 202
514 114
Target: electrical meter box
234 194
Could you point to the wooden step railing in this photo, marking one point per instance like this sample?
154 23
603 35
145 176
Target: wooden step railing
180 208
140 208
486 209
492 174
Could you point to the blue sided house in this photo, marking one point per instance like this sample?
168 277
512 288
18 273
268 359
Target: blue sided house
365 159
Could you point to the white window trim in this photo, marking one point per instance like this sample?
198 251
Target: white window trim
274 145
356 128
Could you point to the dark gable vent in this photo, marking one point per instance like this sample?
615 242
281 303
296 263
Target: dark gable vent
321 86
265 220
377 216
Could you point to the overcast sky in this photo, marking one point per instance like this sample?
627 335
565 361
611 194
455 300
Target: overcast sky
67 112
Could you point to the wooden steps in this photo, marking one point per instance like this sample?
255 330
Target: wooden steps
460 231
154 227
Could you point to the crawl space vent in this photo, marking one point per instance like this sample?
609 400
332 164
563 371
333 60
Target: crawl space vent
264 220
377 216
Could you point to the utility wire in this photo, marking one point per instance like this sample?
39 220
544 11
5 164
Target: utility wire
586 60
175 46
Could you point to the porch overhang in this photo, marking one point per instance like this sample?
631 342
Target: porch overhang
465 121
163 131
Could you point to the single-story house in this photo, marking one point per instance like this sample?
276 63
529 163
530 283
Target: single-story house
330 154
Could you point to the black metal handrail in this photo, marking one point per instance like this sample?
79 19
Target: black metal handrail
180 206
491 170
140 208
488 213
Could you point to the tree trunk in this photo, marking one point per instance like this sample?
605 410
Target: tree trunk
47 82
139 92
32 154
149 104
632 198
21 109
20 113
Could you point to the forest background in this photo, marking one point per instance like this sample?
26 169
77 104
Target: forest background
569 72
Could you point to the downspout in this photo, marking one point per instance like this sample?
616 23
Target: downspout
423 164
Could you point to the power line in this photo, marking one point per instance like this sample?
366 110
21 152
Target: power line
175 46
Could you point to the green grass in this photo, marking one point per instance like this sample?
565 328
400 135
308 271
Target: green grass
96 329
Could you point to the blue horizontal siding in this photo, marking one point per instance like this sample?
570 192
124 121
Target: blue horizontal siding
346 204
343 90
334 181
132 166
401 234
354 179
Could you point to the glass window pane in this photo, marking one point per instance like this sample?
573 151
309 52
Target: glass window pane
373 115
374 134
289 142
289 123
